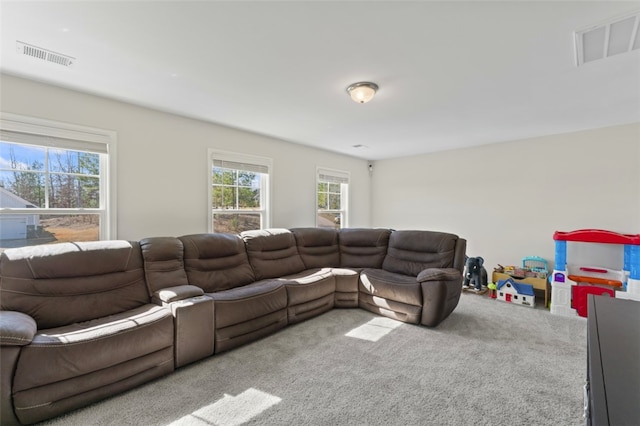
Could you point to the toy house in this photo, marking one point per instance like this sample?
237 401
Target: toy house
514 292
534 271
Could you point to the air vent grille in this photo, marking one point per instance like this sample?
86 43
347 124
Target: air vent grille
612 37
44 54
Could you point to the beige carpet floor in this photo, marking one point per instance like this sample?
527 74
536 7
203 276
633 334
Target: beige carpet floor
489 363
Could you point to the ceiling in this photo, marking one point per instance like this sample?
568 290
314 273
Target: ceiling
451 74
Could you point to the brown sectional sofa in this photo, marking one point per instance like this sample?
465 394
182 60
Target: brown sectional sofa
83 321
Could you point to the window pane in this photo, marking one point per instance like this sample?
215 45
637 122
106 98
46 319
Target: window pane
330 203
248 198
239 192
216 197
21 157
22 189
65 161
334 187
334 201
329 220
236 189
216 176
235 223
229 198
70 192
224 176
248 178
224 197
322 200
21 230
61 170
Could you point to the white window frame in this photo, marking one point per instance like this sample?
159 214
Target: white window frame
265 190
55 134
324 174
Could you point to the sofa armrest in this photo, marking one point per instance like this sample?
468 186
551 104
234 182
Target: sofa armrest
441 289
439 274
193 321
173 294
16 328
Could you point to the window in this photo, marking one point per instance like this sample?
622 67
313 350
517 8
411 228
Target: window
239 194
332 196
54 182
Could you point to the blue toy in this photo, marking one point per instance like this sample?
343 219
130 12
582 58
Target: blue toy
512 291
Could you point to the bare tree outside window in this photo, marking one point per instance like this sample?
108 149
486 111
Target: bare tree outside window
237 200
61 186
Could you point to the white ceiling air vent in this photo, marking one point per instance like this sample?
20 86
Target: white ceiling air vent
608 38
44 54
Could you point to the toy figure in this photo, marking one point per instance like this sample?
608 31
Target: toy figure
493 290
475 275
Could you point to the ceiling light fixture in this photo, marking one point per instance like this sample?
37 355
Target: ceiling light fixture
362 92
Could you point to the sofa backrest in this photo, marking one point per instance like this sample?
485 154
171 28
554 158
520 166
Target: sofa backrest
460 256
163 262
216 262
64 283
318 247
363 247
413 251
272 253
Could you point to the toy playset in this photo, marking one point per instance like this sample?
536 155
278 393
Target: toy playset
572 283
533 271
512 291
532 267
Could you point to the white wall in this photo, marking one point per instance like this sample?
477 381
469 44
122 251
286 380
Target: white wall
162 162
507 199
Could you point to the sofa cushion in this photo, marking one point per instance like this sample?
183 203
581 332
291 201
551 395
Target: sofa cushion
391 286
272 253
249 312
318 247
53 260
309 293
61 284
216 262
163 262
309 285
85 362
363 248
65 352
346 295
241 304
398 311
410 252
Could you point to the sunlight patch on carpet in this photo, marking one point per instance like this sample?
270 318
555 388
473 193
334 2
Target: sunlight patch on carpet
375 329
230 410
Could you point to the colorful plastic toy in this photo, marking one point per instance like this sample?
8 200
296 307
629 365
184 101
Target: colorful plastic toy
493 290
568 300
518 293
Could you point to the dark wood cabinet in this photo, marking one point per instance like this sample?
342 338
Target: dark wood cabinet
612 392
